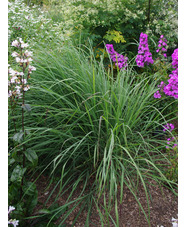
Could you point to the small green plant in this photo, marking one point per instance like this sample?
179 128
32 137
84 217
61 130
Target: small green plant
172 153
172 171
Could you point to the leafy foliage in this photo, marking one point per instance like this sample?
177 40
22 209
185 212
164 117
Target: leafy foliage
93 19
115 36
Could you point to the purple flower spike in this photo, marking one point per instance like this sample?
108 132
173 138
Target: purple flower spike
161 46
144 55
170 89
119 59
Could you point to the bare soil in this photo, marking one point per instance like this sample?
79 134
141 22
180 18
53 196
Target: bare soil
163 206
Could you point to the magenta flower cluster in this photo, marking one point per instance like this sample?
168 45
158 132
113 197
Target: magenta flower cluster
169 142
175 59
157 94
169 127
144 55
119 59
170 89
162 46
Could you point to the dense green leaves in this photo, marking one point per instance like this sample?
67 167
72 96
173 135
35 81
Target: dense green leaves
31 156
26 107
18 137
17 174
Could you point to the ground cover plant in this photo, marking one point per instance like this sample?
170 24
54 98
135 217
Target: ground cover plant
88 124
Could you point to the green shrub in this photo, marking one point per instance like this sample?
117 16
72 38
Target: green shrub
92 19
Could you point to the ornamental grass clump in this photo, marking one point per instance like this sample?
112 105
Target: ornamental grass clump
95 132
144 55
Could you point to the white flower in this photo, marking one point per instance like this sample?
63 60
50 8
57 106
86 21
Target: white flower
20 74
23 60
24 45
12 72
9 94
11 208
17 59
174 222
13 222
28 53
15 43
31 68
24 81
13 79
20 40
30 59
18 88
26 88
15 54
27 17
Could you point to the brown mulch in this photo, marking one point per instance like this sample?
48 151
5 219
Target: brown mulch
163 207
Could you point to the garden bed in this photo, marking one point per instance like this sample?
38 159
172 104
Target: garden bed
94 111
163 206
